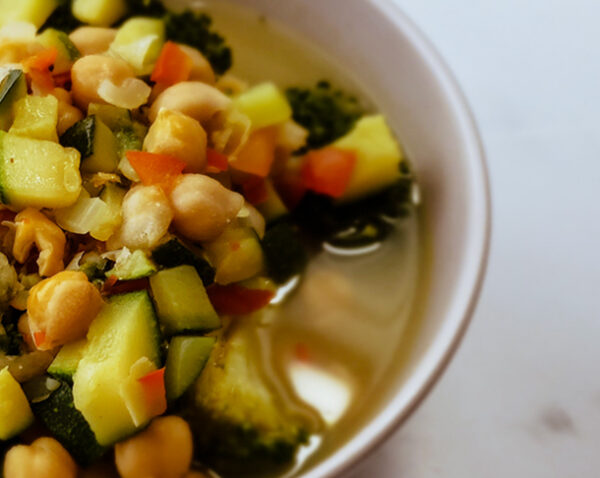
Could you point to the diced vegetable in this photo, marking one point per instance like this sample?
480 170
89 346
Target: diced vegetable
173 253
159 169
173 65
217 161
64 365
265 105
236 255
145 392
285 255
36 117
328 171
68 425
378 157
102 13
258 154
13 87
272 208
125 332
234 299
96 143
67 51
37 173
139 42
181 301
132 266
112 116
15 412
186 359
31 11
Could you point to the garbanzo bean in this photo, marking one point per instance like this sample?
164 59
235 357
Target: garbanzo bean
93 40
68 115
62 308
203 207
147 216
32 227
90 71
163 450
44 458
193 98
201 69
178 135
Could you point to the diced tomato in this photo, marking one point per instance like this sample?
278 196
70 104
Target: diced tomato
290 187
153 385
258 154
39 338
38 69
215 161
159 169
328 171
173 65
255 190
234 299
42 60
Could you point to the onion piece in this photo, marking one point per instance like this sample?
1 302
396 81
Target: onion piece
132 93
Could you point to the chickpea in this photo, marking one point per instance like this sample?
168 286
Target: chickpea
68 115
63 307
203 207
62 95
163 450
193 98
32 227
147 216
44 458
201 69
89 72
93 40
178 135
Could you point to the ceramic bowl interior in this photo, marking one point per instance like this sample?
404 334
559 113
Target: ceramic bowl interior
409 83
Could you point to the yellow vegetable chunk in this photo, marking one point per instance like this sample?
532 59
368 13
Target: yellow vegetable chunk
265 105
139 42
36 117
15 412
31 11
378 156
102 13
37 173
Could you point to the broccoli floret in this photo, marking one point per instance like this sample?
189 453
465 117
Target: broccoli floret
11 340
239 421
194 29
327 113
62 18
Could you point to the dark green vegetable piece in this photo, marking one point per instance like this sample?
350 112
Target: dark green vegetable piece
239 420
194 29
327 113
11 340
173 253
62 18
186 359
285 255
66 423
146 8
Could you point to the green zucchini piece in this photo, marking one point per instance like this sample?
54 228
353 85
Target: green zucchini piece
96 143
285 255
139 42
112 116
186 359
136 265
173 253
67 51
64 365
124 334
15 412
68 426
101 13
31 11
13 87
236 255
37 173
181 301
36 117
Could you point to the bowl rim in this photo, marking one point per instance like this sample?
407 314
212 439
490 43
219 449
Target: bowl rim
473 271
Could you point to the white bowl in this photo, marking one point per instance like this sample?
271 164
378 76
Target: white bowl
410 84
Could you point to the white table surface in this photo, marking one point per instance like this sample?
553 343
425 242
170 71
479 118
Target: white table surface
522 396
